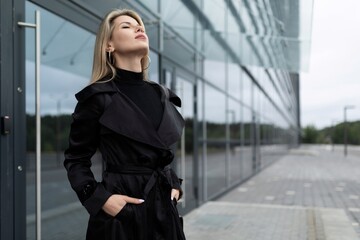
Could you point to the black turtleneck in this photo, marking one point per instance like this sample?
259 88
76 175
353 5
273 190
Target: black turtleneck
145 96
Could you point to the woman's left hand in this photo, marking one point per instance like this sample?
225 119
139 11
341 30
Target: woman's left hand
175 193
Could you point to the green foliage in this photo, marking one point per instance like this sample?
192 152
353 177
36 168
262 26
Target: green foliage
333 134
310 134
54 132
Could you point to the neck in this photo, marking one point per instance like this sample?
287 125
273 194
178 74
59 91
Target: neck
128 63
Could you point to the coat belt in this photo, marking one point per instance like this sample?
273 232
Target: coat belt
158 173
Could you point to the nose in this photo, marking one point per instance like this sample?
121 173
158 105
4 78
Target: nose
139 29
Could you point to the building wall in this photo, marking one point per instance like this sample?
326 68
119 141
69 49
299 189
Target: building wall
225 59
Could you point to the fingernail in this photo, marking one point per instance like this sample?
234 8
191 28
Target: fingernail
172 198
141 200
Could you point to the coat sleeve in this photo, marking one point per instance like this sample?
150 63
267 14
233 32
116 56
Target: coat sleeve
173 179
83 143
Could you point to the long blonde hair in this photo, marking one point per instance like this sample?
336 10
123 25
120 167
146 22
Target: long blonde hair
102 65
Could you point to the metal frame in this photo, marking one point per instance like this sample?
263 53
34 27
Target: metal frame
72 12
12 104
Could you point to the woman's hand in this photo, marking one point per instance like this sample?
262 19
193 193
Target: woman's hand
175 193
116 202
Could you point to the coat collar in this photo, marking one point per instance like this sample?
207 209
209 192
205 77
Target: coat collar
123 117
108 86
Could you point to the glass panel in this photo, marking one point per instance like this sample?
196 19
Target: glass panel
201 138
66 63
247 90
179 17
152 30
185 91
235 143
215 171
153 5
245 16
214 72
247 146
177 52
256 103
234 83
275 34
154 67
232 24
184 163
216 135
215 12
212 49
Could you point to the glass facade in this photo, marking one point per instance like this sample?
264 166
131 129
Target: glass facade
234 64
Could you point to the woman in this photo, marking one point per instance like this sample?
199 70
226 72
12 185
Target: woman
135 126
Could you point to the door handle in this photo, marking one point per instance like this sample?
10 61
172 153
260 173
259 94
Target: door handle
36 26
5 125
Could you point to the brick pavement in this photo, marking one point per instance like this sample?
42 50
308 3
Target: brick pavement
311 193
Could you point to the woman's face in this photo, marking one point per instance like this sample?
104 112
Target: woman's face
128 37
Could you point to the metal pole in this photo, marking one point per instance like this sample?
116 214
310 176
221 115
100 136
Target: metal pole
58 147
37 119
345 129
333 127
38 127
345 133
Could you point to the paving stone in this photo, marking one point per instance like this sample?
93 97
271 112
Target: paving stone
311 176
230 221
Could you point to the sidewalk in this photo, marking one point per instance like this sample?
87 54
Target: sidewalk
310 194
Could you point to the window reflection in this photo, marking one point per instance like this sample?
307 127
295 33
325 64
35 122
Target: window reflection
154 67
247 90
216 135
179 17
214 72
234 80
234 154
66 63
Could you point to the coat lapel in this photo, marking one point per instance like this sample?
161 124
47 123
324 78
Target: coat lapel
172 123
124 117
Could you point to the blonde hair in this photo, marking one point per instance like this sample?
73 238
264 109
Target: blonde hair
101 64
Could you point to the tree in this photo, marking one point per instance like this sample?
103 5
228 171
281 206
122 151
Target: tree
310 134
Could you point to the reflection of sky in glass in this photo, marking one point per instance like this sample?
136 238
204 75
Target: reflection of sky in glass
154 67
66 62
185 91
57 86
63 44
214 105
178 16
214 72
215 10
234 77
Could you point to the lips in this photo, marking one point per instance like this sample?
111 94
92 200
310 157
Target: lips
141 36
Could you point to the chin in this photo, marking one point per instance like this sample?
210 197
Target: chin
144 51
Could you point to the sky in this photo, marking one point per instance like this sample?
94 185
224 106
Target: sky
333 78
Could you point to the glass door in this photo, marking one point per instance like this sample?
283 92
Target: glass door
184 162
66 61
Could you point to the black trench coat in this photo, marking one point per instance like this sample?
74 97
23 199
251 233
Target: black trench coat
136 157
